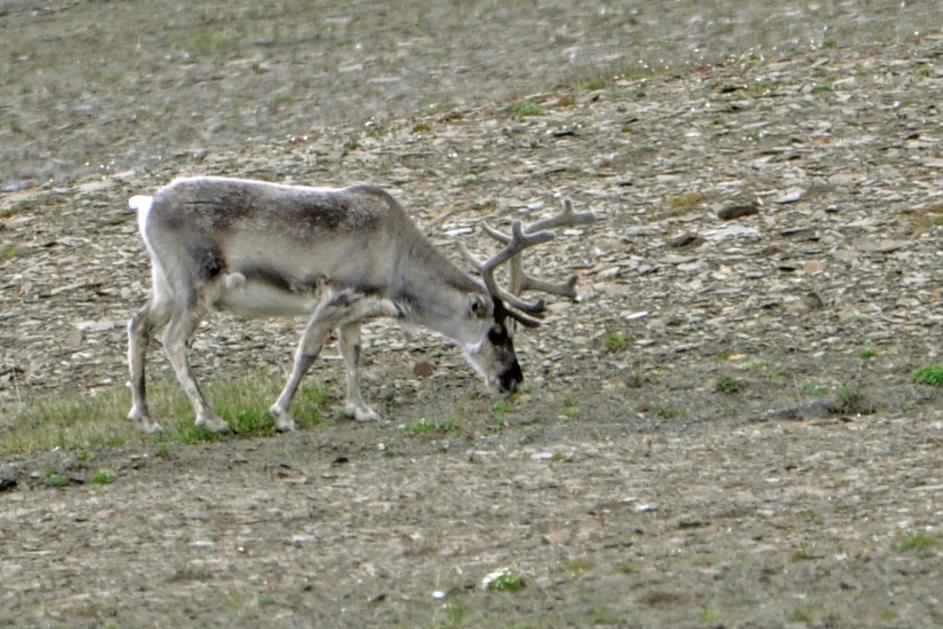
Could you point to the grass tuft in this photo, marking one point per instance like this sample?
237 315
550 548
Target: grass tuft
103 478
55 479
726 384
424 426
504 580
523 109
499 413
918 542
614 341
850 399
929 374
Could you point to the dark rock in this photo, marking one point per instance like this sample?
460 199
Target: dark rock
738 211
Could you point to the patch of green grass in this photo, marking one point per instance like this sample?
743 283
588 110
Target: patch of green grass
9 252
507 581
55 479
850 399
454 615
799 615
499 413
726 384
597 83
85 420
668 412
925 72
523 109
188 434
424 426
264 600
867 353
815 388
713 616
615 341
822 88
571 407
929 374
918 542
103 478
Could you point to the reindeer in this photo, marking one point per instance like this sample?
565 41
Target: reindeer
339 256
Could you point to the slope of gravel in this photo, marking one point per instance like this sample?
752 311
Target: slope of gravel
629 487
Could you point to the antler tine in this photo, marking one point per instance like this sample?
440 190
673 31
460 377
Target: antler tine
494 233
564 289
519 242
564 218
472 260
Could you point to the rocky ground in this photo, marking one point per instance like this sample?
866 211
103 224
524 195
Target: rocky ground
724 431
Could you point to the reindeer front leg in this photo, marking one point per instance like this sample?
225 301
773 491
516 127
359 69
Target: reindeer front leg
346 310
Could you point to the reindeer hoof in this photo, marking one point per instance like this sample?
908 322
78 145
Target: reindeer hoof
211 423
361 413
283 420
146 423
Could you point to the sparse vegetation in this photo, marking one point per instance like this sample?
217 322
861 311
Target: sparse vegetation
571 406
867 353
851 399
85 420
55 479
523 109
616 341
929 374
505 580
918 542
815 388
9 252
668 412
687 202
424 426
103 477
726 384
499 413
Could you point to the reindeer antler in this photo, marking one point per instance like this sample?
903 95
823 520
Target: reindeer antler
520 239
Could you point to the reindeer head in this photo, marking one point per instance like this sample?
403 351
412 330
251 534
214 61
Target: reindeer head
493 356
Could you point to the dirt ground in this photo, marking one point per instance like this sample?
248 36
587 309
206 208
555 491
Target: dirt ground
723 432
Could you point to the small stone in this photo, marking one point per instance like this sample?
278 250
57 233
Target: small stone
738 211
790 197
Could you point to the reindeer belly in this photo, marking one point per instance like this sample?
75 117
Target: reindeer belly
259 299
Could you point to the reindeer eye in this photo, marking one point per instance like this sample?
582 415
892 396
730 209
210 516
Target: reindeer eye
477 307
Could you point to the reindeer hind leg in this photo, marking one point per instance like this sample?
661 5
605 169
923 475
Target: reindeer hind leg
183 322
141 328
350 349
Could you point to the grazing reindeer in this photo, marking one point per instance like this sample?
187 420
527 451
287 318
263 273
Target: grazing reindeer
338 256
